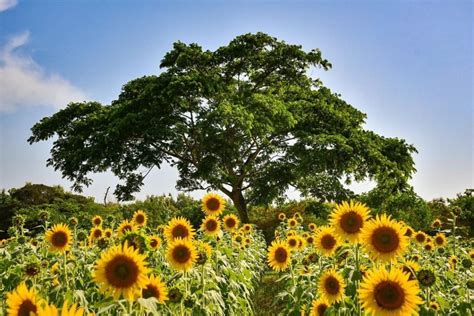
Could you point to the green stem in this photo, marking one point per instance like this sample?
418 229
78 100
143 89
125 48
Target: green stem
65 269
454 234
358 308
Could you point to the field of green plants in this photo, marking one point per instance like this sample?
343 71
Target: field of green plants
356 263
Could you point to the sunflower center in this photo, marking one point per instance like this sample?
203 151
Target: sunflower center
408 232
351 222
213 204
322 309
292 222
59 239
292 242
439 240
389 295
247 227
121 272
150 291
181 253
140 219
97 233
230 222
108 234
211 225
154 243
26 307
420 237
180 231
385 239
127 228
97 221
310 240
281 255
328 242
332 285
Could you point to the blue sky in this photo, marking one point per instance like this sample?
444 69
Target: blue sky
407 64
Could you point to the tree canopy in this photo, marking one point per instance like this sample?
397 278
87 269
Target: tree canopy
246 119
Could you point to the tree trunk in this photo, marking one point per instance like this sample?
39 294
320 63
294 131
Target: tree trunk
241 205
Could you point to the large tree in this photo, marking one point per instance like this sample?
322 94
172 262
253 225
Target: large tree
246 119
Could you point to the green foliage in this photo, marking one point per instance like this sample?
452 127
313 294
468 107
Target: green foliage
245 119
402 205
462 205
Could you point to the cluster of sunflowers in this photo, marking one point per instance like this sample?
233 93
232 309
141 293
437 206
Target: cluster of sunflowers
364 265
134 269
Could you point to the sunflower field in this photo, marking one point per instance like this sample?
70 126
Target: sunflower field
129 268
360 264
357 264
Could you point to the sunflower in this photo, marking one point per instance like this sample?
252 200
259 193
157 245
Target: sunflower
140 218
292 222
428 246
155 288
389 293
318 307
59 238
97 220
291 232
126 226
247 228
281 216
326 241
237 238
96 233
331 286
383 238
121 270
23 301
312 227
434 306
213 204
206 247
181 254
154 242
293 242
436 223
440 240
348 220
310 240
231 222
420 237
108 233
301 243
211 225
453 260
279 255
51 310
178 227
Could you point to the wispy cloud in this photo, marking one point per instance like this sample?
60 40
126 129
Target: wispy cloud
25 83
7 4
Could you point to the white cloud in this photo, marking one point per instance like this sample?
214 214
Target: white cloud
7 4
25 83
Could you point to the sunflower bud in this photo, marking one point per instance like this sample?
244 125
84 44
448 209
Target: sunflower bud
32 269
175 295
44 215
466 263
426 277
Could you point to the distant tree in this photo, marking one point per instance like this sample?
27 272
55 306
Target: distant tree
245 119
403 205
